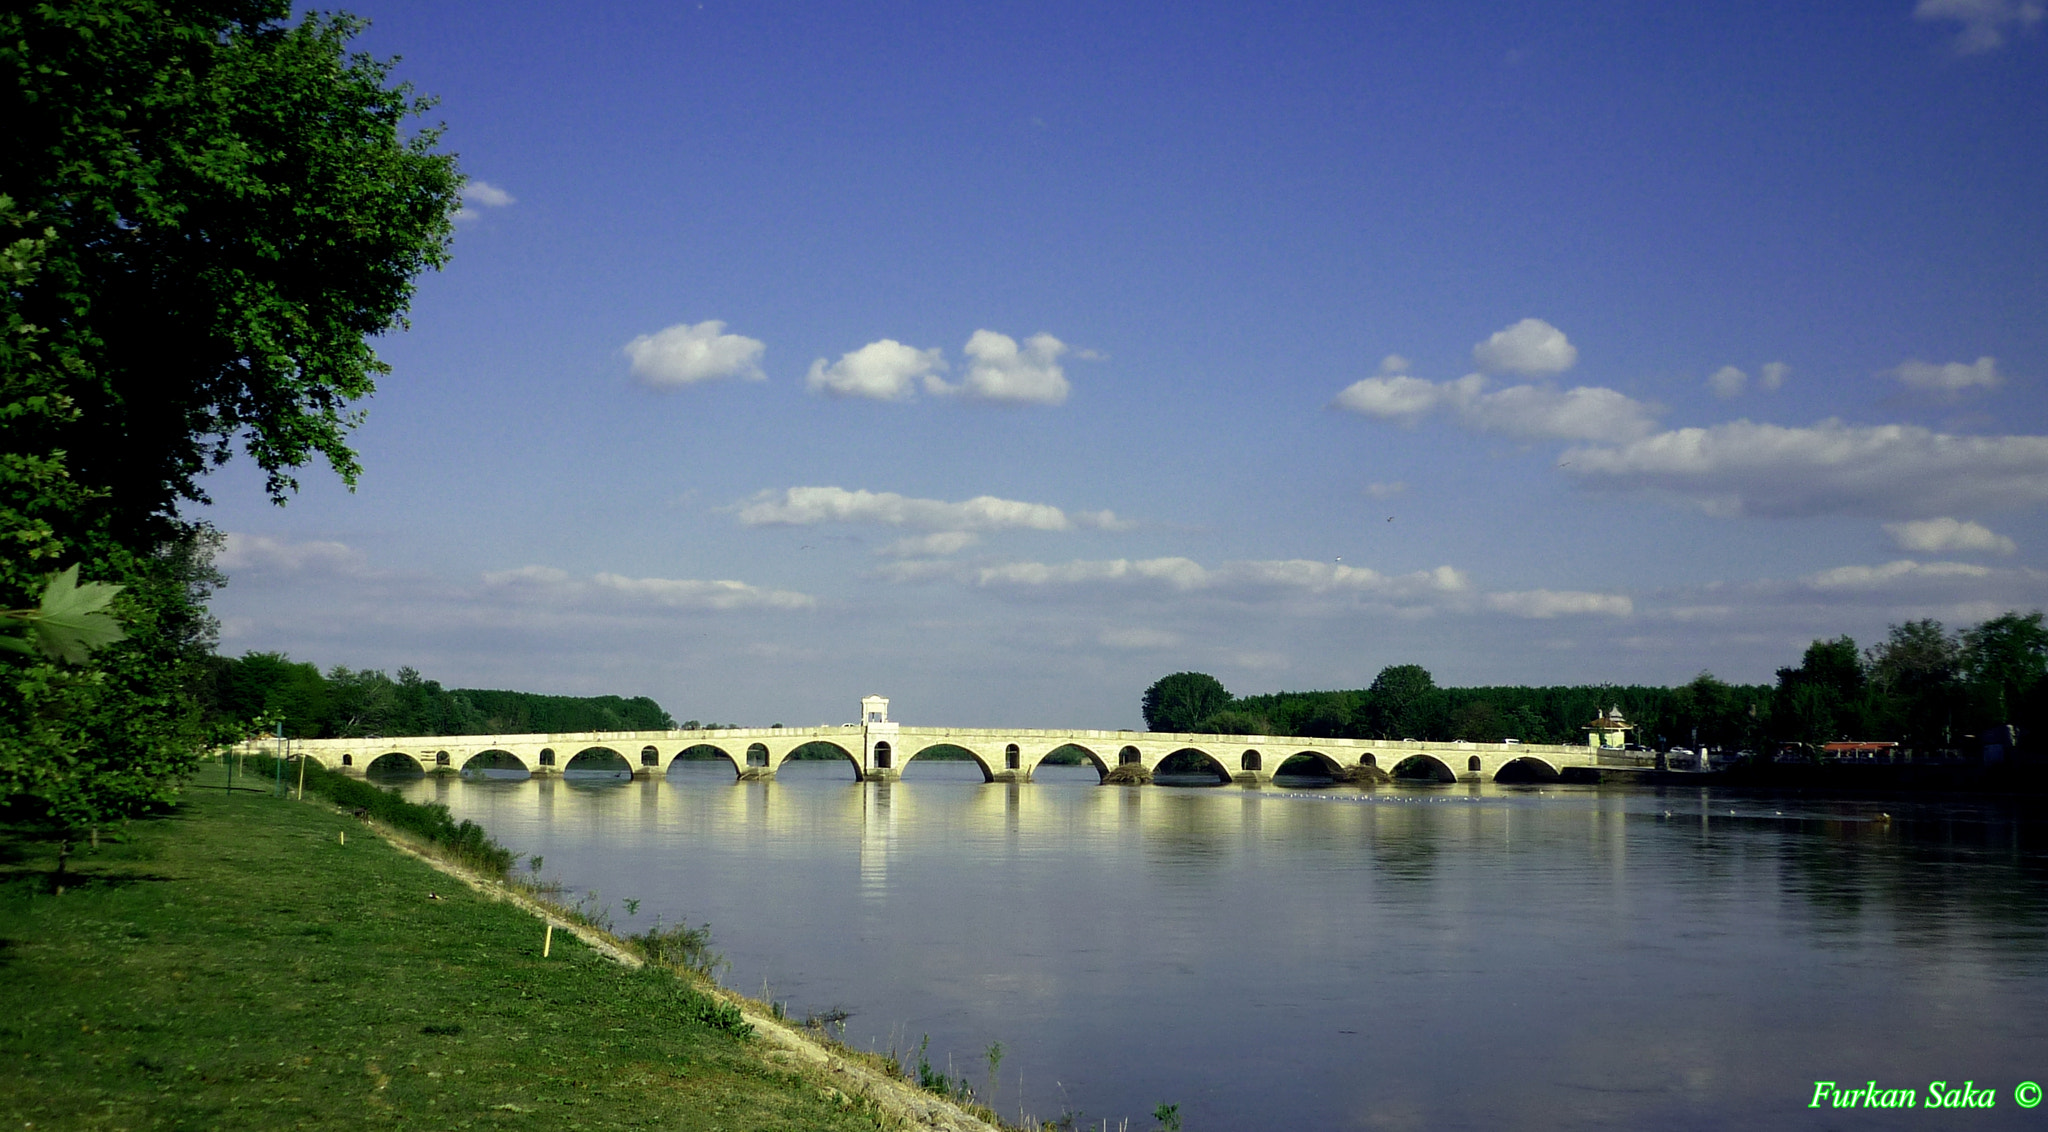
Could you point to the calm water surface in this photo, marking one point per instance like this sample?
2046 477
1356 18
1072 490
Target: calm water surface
1463 956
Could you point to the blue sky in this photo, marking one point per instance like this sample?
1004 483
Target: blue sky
1001 359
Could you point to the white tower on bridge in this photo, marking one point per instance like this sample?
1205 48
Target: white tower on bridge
878 743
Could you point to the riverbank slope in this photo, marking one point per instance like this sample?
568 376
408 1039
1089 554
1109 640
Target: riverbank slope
238 964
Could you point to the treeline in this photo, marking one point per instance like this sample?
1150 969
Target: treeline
259 690
1923 686
1404 702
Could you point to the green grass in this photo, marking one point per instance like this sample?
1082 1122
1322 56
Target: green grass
234 966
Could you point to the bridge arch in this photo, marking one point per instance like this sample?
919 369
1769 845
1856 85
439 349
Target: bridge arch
1013 757
547 756
1424 767
1526 768
988 773
1129 755
394 762
852 759
650 755
1309 764
1087 757
757 754
705 752
1368 759
1191 761
493 758
599 760
884 755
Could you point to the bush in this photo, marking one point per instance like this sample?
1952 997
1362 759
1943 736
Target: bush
465 841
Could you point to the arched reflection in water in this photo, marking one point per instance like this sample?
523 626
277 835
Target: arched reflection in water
1502 956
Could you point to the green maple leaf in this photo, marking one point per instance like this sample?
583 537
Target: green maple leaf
70 622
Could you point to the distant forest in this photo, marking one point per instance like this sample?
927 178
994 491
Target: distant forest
1925 687
257 691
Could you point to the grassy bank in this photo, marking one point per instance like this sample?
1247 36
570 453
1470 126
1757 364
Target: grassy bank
236 965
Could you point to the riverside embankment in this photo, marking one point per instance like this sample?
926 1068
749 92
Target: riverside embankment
249 962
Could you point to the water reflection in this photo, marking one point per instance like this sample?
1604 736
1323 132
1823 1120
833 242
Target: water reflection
1442 956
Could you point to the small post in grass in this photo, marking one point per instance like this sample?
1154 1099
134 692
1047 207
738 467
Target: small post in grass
547 942
302 774
279 787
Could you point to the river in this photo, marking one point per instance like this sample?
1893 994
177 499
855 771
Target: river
1464 956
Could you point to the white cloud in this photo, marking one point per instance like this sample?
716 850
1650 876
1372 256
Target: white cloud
687 593
1186 575
559 587
1727 382
1878 577
1386 490
1985 22
879 371
799 506
937 544
1138 639
263 554
1395 397
1937 535
1531 347
1001 371
1393 363
1525 412
1772 375
1951 379
478 195
1176 573
529 576
1546 604
1419 592
1902 471
685 355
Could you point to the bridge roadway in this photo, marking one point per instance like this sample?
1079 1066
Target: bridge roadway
879 751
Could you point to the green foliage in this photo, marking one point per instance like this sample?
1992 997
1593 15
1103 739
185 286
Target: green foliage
1168 1116
1924 687
521 712
2005 661
693 1005
465 841
1403 703
680 947
69 622
205 215
261 686
1181 701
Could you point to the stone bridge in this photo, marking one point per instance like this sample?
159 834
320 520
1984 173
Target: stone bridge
878 748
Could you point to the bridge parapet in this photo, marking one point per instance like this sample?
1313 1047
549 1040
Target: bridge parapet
1003 754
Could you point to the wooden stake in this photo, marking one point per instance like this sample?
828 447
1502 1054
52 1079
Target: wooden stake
344 837
547 943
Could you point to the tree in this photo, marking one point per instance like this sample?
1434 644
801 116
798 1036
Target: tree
206 212
2005 661
1916 681
1183 700
1826 698
1402 702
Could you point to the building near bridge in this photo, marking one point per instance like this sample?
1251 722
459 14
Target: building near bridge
1608 729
